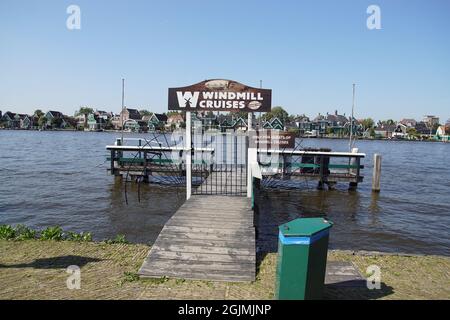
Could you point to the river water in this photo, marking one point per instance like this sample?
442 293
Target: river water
60 178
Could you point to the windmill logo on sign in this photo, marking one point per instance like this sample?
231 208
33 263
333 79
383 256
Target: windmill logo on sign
188 103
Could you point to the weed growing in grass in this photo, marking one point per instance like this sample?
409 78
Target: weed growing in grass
161 280
79 237
120 238
130 276
56 233
52 233
7 232
209 284
24 233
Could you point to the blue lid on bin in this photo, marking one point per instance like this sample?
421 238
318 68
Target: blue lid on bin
304 227
304 231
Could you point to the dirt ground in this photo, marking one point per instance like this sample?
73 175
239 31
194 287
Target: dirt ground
36 269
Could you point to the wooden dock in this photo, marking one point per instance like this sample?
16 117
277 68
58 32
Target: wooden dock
210 237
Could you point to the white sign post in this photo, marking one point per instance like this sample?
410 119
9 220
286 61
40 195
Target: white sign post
252 156
188 149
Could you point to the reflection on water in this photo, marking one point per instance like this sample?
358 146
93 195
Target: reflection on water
147 211
60 178
374 207
275 207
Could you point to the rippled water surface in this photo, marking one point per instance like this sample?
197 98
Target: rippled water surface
60 178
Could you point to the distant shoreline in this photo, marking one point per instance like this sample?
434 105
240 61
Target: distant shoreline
299 137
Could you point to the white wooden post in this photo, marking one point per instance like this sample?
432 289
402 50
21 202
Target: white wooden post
188 156
252 160
252 156
353 160
117 143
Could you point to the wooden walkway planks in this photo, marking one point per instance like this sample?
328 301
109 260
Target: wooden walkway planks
210 237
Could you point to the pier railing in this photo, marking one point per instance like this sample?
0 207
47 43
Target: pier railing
142 157
220 179
138 156
324 167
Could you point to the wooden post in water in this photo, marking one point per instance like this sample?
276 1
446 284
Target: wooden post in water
321 172
376 173
115 164
113 156
353 162
146 171
287 167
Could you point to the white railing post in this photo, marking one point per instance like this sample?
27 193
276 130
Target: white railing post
249 156
188 156
353 161
252 156
251 161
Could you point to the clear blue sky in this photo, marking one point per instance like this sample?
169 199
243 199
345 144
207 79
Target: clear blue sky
308 52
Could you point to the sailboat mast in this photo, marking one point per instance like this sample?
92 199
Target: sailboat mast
351 120
123 104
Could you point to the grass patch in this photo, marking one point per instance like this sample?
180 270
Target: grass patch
111 273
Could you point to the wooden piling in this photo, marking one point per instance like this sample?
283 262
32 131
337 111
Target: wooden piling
354 161
113 162
321 172
286 169
376 172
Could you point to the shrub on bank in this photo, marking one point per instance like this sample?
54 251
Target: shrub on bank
55 233
52 233
24 233
7 232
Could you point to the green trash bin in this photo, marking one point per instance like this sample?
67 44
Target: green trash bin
302 258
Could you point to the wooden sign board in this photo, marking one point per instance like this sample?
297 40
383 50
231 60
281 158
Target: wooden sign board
220 95
272 139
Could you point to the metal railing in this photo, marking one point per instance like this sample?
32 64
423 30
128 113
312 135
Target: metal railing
225 170
220 179
324 167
